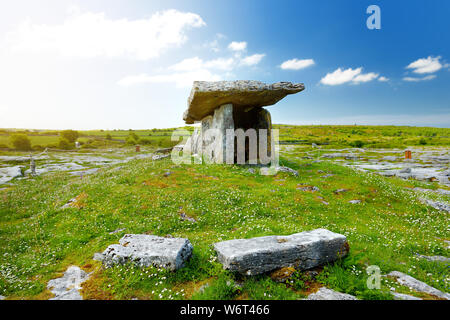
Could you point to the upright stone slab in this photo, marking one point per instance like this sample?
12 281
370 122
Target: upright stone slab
148 250
302 251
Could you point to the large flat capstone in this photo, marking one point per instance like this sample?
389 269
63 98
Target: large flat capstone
206 96
148 250
302 251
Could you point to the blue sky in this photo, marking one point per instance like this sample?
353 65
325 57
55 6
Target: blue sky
130 64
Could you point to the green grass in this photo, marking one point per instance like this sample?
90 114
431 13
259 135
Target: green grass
329 136
39 240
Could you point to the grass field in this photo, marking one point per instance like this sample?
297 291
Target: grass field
328 136
39 240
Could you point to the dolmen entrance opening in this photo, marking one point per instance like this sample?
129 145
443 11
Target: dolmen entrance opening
235 128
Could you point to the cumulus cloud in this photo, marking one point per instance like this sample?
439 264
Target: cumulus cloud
383 79
91 35
296 64
237 46
253 59
426 65
413 79
340 76
365 77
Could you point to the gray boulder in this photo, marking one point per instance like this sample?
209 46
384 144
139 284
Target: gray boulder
302 251
328 294
149 250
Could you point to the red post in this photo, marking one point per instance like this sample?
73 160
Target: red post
138 148
408 154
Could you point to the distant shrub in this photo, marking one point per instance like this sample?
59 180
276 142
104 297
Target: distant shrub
357 144
65 144
20 142
69 135
422 141
108 137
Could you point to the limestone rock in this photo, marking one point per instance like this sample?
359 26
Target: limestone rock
2 297
417 285
354 201
206 96
328 294
435 258
66 287
402 296
302 251
148 250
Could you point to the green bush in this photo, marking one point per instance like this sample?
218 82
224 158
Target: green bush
357 144
20 142
422 141
69 135
65 144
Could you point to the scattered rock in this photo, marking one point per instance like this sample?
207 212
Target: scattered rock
98 256
434 258
160 156
405 170
339 191
167 173
185 217
301 251
308 188
77 202
251 170
66 287
417 285
355 201
402 296
288 170
327 175
117 231
2 297
328 294
441 206
148 250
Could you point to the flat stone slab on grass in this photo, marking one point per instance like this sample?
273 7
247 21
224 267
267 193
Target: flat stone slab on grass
206 96
417 285
302 251
66 287
328 294
149 250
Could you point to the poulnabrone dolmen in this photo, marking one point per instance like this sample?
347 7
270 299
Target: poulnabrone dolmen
227 110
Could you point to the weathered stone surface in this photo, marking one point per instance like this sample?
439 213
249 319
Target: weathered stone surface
435 258
206 96
148 250
417 285
354 201
438 205
402 296
66 287
302 251
328 294
2 297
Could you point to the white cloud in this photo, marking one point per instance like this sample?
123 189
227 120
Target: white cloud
180 79
365 77
296 64
383 79
93 34
253 59
196 63
411 79
237 46
354 76
425 65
